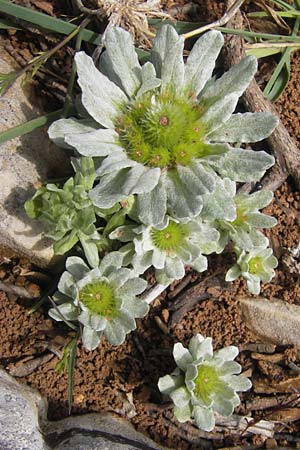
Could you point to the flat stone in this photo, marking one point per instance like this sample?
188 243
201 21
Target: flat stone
24 425
24 163
274 320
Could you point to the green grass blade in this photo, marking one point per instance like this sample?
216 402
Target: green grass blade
286 14
263 52
283 5
270 37
55 25
46 22
184 27
71 367
279 78
29 126
180 26
36 306
281 74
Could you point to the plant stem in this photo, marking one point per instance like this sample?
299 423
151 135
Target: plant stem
85 10
230 13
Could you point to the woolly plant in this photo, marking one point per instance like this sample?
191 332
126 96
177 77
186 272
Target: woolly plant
165 149
204 382
164 131
68 213
255 266
168 248
103 300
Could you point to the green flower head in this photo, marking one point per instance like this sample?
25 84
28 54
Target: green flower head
255 266
103 300
237 216
168 247
162 131
204 382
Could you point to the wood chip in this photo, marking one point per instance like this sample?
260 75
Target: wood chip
288 385
261 403
193 296
258 347
161 325
179 288
26 368
285 415
275 358
240 424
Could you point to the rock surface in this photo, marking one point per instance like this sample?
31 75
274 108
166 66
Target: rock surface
24 425
272 320
24 162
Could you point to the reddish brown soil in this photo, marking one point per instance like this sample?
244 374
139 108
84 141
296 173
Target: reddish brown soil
124 379
110 378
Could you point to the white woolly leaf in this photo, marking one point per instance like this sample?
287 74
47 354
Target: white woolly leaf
248 127
244 165
218 113
167 57
181 201
61 128
152 206
116 187
235 81
201 60
149 80
101 98
182 356
123 58
94 143
255 201
204 418
90 338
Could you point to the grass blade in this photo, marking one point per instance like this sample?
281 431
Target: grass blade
281 74
71 367
280 77
283 5
55 25
263 52
183 27
286 14
47 22
31 125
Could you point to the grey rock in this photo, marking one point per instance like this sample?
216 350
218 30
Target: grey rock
24 162
273 321
24 425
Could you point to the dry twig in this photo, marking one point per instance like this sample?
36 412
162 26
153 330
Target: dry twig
280 142
232 9
19 291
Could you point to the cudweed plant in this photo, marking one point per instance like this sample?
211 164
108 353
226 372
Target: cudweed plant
164 150
204 382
